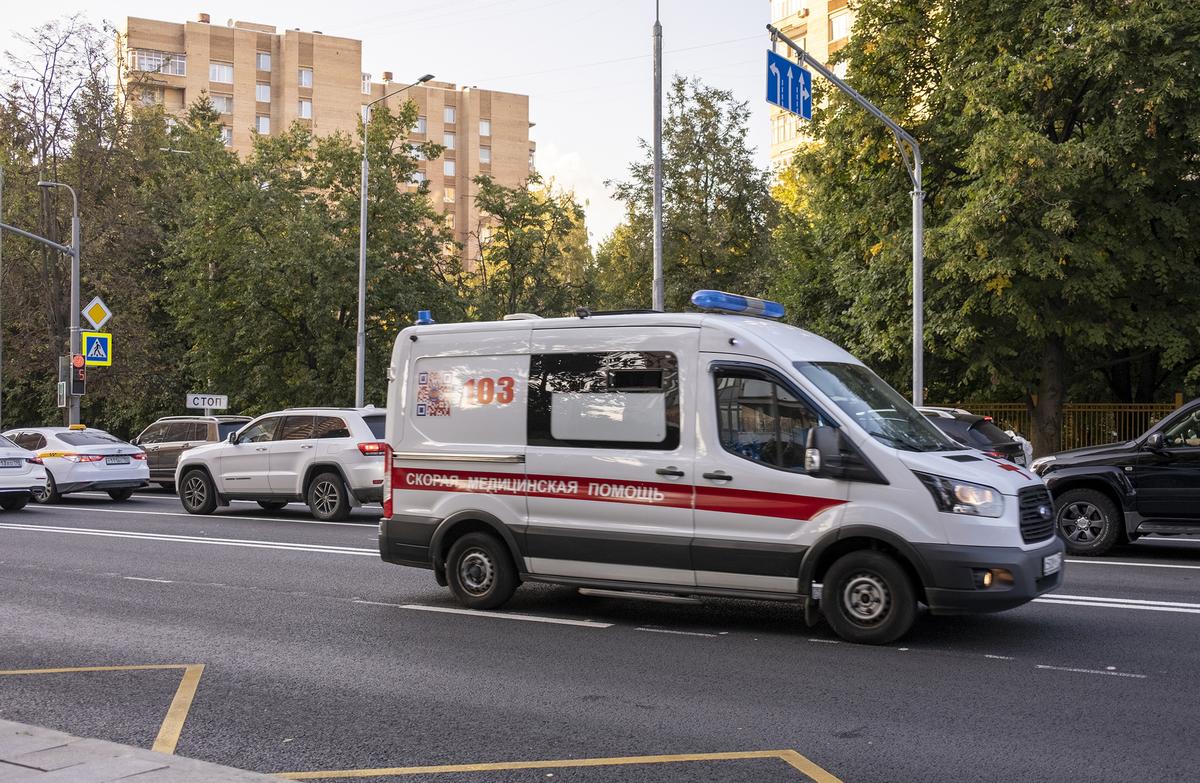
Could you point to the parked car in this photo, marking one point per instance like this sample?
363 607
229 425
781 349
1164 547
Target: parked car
978 432
164 440
21 474
330 458
80 458
1105 495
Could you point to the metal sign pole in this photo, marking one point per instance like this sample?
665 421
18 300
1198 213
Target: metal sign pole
659 288
911 156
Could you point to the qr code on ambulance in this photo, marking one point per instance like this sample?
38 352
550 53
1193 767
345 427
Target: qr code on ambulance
433 393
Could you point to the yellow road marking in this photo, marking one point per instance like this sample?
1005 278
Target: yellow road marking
791 757
181 703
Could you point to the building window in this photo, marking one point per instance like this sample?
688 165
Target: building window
366 84
839 26
222 103
448 168
262 61
448 115
422 124
151 96
226 135
612 400
262 92
262 124
306 77
485 154
220 72
448 141
448 195
305 109
450 220
172 63
531 167
417 178
485 127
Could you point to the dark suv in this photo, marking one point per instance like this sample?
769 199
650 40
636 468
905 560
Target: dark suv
164 440
1104 495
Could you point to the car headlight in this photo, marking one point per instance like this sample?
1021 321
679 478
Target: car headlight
1039 463
963 497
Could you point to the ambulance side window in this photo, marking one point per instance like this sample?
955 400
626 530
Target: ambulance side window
611 400
760 419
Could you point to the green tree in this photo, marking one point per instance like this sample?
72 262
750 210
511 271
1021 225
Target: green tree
264 262
717 209
533 251
1062 186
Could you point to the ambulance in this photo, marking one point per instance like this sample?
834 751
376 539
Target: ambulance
711 453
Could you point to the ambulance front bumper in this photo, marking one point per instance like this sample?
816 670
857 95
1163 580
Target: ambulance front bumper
956 576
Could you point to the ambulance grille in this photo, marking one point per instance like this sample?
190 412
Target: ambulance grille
1035 527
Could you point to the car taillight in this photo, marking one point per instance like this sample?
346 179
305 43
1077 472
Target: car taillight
35 461
387 481
139 455
83 457
373 449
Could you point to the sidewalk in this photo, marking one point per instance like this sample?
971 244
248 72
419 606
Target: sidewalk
30 754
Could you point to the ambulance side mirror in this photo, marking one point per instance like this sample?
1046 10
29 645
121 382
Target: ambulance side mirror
823 454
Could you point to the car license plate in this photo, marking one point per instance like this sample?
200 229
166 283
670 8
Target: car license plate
1051 564
10 463
117 459
1019 459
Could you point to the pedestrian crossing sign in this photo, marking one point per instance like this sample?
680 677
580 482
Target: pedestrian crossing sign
97 349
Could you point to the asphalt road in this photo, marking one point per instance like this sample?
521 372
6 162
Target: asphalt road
319 657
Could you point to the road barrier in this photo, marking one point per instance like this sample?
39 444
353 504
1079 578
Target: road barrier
1083 423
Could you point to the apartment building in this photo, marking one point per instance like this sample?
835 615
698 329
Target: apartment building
262 80
821 27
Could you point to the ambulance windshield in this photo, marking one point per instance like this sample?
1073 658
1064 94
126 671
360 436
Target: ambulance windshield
878 408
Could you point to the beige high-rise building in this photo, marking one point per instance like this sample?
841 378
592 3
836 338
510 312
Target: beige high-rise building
261 81
821 27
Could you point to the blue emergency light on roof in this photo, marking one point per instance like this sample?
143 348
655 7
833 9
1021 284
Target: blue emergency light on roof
424 318
734 303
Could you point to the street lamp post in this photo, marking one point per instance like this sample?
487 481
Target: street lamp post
360 352
76 240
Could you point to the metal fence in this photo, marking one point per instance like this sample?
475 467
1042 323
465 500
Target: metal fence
1084 423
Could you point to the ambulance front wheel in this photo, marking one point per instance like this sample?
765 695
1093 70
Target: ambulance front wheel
481 571
867 598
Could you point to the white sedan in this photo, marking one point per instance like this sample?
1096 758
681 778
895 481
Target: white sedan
78 458
21 475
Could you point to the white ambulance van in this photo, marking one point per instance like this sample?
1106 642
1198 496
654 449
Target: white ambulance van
714 453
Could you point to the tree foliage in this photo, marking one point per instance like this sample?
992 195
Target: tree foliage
1062 146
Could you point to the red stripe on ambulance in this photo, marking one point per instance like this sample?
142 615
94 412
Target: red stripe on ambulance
719 499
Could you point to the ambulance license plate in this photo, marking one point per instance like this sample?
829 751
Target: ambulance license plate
118 459
1051 564
10 463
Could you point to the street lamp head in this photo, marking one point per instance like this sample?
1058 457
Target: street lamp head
44 184
425 78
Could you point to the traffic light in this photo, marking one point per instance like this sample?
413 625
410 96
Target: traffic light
78 380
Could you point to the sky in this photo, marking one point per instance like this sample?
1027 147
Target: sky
585 65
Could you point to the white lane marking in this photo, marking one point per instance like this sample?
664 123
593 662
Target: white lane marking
677 633
90 509
1142 601
148 579
1091 671
236 542
494 615
825 641
1131 563
999 657
1099 605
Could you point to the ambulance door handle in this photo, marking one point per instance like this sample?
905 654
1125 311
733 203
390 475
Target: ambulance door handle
720 475
671 471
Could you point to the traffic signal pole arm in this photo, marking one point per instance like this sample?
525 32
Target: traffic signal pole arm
910 154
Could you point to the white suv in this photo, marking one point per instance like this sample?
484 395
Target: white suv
330 458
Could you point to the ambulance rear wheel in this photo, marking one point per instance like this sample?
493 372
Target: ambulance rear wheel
867 598
481 571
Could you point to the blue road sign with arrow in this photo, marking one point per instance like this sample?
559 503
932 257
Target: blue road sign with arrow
789 86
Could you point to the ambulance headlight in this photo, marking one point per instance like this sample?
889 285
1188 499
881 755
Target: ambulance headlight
963 497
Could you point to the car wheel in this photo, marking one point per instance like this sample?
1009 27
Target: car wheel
121 494
14 502
480 571
48 493
867 598
328 499
197 493
272 505
1089 522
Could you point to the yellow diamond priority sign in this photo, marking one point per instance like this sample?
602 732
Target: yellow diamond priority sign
97 313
